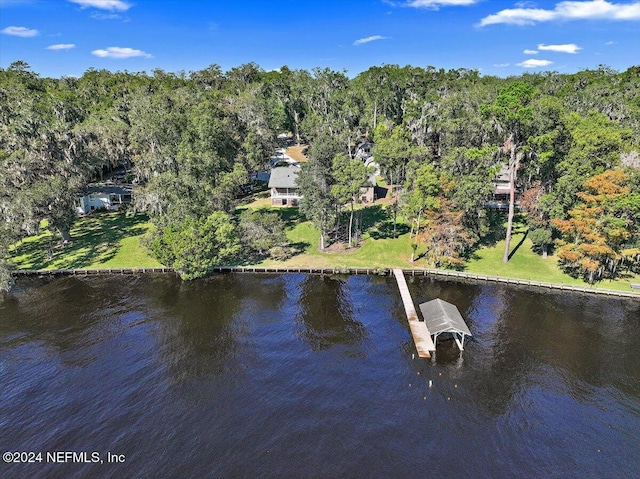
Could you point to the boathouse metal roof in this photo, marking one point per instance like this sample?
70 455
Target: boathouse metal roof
443 317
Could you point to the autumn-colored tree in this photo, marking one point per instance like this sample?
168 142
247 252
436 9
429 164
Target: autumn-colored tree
594 238
445 236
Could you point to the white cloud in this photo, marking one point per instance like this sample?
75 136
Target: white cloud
61 46
566 48
105 16
518 16
111 5
120 52
501 65
611 42
530 52
564 11
439 3
534 63
369 39
20 32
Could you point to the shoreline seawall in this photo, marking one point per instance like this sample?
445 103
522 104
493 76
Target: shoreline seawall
434 273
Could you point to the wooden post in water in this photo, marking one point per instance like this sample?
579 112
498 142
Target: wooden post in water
419 330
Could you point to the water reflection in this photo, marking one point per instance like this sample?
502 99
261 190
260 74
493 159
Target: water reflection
522 335
67 315
304 376
195 330
326 318
590 344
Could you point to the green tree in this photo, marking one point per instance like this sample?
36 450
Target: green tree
195 246
46 160
262 230
393 151
350 176
533 202
422 192
595 147
317 203
469 174
512 113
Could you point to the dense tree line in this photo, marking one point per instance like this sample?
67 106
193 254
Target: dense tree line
194 141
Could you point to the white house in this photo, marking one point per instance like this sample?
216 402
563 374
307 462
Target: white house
363 150
284 190
104 196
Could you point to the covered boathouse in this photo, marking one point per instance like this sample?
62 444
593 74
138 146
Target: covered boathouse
442 317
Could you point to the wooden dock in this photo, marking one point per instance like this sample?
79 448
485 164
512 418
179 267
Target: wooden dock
421 335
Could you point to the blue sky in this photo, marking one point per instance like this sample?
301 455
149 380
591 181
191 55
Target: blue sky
66 37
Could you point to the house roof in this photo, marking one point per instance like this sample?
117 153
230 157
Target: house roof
284 176
96 188
443 317
371 180
503 175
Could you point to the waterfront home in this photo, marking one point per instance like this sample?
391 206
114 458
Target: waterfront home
282 182
501 190
368 190
363 150
104 196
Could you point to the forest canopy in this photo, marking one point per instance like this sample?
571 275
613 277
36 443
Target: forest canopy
194 140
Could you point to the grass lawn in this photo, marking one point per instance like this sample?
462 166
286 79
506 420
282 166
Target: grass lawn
379 250
525 264
112 240
102 240
374 253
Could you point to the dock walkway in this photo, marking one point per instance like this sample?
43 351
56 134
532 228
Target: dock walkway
419 330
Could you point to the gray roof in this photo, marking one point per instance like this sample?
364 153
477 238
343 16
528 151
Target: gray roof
284 177
443 317
96 188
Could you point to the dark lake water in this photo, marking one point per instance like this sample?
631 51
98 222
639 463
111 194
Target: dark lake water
297 376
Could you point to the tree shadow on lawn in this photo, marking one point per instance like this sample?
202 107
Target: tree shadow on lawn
377 222
253 258
472 254
498 229
95 238
290 216
514 250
